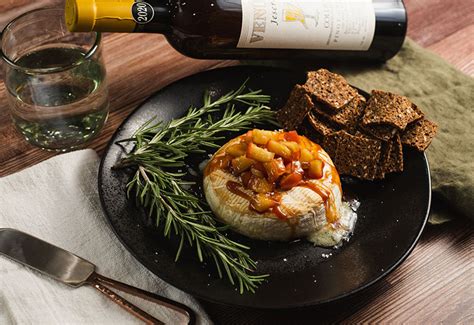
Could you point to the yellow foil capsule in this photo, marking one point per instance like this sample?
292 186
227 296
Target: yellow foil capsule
98 15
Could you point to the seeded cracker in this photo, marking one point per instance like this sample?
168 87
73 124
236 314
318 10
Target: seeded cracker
347 117
419 134
418 111
395 163
330 144
321 124
388 108
362 99
357 156
384 159
330 89
380 131
295 109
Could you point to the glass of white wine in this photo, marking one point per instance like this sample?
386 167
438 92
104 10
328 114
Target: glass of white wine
55 80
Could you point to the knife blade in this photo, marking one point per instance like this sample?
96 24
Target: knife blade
45 258
75 271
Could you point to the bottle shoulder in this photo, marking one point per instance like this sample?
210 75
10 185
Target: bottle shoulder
206 17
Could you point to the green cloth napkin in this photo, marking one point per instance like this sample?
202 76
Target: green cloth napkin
446 96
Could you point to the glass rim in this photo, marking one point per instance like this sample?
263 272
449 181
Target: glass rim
91 51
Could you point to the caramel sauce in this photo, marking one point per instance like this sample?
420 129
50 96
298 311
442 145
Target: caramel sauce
280 214
291 222
328 198
234 187
219 161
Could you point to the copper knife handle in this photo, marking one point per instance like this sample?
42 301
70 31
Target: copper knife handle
128 306
101 282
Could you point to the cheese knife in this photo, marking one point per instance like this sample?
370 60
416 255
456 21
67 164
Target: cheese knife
75 271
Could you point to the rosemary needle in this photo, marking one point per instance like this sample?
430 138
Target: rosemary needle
161 148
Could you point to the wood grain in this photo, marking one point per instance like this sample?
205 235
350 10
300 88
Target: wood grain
434 285
459 48
430 21
10 9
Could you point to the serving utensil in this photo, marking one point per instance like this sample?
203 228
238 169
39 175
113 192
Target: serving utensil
75 271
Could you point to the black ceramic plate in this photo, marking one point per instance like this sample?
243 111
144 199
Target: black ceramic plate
392 214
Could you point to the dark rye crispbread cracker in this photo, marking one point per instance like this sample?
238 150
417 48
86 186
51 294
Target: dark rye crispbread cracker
419 135
347 117
322 125
380 131
395 162
362 99
384 159
387 108
329 88
330 142
357 156
420 113
296 108
391 158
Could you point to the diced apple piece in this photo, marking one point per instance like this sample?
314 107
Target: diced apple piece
296 155
261 136
293 146
237 149
259 166
306 155
292 136
222 161
279 149
259 154
316 169
262 203
274 169
305 142
257 172
259 185
241 164
291 180
248 137
295 149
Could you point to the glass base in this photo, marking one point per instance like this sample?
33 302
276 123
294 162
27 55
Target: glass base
62 137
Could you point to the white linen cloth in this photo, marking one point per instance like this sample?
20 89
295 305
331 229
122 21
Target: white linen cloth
57 201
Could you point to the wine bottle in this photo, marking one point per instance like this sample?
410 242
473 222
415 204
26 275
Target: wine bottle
254 29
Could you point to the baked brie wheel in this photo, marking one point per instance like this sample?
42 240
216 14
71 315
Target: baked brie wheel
276 185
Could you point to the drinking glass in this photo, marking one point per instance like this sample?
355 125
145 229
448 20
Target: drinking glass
55 80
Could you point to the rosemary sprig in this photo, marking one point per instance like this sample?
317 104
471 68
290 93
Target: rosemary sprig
161 148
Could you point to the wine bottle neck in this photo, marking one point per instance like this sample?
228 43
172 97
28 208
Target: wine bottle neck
126 16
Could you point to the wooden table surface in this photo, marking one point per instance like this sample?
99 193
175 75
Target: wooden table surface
436 282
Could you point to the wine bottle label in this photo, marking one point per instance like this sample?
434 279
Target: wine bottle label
307 24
